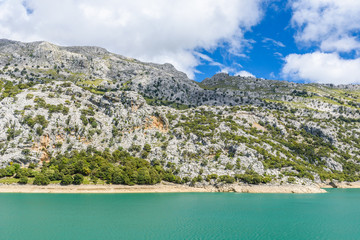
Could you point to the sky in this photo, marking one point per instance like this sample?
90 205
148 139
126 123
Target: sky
314 41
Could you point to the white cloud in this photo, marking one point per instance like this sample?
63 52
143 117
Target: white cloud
330 24
203 57
223 68
278 55
158 31
274 42
332 27
322 68
244 74
345 44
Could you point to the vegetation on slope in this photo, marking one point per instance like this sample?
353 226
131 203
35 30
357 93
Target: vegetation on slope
224 129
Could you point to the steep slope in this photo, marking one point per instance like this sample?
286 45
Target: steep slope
55 100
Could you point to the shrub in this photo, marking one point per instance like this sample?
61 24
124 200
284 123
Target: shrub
84 120
10 171
2 173
93 122
67 180
186 179
229 166
147 148
119 178
25 151
169 177
41 179
135 148
78 179
12 133
252 177
56 176
211 176
291 180
29 96
39 131
23 180
226 178
144 154
32 165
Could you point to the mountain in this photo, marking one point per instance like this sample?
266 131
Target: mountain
62 101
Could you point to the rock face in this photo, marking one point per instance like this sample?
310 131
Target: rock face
58 99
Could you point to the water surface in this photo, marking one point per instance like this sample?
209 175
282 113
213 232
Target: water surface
334 215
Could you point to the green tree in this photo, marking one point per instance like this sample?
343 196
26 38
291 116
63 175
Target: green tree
23 180
67 180
78 179
41 179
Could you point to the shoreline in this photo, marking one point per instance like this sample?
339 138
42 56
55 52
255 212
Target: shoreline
340 185
159 188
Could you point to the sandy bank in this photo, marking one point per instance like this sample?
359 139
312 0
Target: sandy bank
158 188
340 185
56 188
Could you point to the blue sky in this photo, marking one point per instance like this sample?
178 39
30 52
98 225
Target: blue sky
296 40
270 41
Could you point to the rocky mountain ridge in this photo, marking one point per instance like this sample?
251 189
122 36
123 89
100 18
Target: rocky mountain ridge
55 100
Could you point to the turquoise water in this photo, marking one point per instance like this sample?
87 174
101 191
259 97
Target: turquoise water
335 215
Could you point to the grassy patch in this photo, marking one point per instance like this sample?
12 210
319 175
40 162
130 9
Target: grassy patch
8 180
93 83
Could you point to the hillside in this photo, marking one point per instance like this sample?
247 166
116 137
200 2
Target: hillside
57 101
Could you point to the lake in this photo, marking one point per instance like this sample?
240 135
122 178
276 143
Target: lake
333 215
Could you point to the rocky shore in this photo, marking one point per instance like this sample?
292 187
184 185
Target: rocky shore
340 185
159 188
